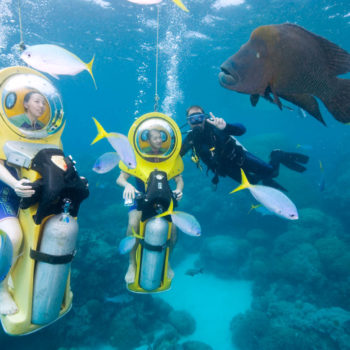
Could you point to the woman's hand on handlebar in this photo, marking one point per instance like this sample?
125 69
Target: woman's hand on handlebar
23 189
177 194
129 191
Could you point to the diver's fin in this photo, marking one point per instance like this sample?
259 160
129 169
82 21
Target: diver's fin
306 102
254 99
291 160
181 5
101 133
89 69
337 100
245 183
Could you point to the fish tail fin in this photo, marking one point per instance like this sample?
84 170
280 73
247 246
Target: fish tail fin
181 5
337 101
245 183
89 69
166 213
101 133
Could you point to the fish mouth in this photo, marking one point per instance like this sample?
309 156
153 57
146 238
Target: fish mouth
228 79
293 216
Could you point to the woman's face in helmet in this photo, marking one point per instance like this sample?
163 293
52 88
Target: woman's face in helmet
36 105
155 139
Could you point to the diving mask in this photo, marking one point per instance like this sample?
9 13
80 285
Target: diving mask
197 118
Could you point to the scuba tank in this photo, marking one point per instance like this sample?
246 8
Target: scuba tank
157 200
56 251
153 254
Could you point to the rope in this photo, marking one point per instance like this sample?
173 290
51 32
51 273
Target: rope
21 43
156 97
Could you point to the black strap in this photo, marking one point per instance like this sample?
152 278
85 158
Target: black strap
52 259
155 248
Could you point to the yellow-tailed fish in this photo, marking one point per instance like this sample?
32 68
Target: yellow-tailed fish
187 223
181 5
126 245
55 60
254 206
322 182
272 199
106 162
6 253
119 142
153 2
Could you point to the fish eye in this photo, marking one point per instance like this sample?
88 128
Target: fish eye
29 55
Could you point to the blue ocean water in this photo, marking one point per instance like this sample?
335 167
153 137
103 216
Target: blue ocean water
266 283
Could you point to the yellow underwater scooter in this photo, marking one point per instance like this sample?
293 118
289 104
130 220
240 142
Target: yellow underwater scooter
154 170
39 280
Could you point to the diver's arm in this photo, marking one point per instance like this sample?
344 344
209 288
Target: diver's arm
179 186
236 129
129 189
19 186
186 145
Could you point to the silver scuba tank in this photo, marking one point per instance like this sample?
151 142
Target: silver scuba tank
50 278
153 253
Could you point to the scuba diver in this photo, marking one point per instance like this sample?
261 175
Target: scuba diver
212 141
130 193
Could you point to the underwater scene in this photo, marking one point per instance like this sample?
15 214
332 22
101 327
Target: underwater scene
264 268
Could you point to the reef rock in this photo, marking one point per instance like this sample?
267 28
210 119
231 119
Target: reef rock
223 254
195 345
183 322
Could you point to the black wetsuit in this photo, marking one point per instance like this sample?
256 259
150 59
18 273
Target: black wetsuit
224 157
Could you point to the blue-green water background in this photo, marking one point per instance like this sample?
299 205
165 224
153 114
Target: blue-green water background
192 47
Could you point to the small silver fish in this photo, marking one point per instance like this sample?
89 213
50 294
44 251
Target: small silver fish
194 271
186 223
106 162
322 182
126 244
153 2
120 299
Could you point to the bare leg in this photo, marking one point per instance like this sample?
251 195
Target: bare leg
134 223
13 229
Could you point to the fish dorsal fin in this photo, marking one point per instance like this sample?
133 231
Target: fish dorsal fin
89 69
338 60
101 133
245 183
